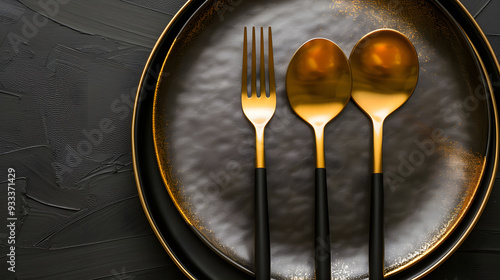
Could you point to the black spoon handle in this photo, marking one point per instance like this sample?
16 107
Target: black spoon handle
376 255
262 244
322 242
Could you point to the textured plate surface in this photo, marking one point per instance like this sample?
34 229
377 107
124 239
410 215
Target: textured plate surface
434 146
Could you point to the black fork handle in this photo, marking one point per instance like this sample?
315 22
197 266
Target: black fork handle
262 243
322 242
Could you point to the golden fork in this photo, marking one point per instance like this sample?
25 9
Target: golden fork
259 110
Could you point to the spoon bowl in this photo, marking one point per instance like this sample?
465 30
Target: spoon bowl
318 83
384 67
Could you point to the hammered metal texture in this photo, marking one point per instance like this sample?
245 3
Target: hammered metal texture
434 145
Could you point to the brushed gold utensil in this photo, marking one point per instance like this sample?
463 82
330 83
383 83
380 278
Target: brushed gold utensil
384 67
318 84
259 110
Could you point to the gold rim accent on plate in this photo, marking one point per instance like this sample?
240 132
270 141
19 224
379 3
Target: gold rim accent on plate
490 186
424 273
134 156
483 36
466 207
450 230
495 114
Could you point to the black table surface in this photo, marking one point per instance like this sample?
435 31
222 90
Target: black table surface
68 75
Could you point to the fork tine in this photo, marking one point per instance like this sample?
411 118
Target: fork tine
244 85
254 66
272 86
262 65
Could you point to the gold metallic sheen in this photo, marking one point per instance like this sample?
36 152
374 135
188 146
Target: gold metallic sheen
384 67
258 109
134 152
495 159
318 84
430 269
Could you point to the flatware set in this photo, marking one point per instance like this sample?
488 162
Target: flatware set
380 76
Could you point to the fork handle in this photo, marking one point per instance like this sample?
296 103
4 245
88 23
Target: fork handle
262 243
376 247
322 242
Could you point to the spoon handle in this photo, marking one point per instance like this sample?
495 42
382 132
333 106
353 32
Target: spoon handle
262 243
322 241
376 255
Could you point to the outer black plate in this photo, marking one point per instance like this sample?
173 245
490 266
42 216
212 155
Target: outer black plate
193 256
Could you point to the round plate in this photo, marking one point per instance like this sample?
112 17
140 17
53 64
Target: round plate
435 146
208 171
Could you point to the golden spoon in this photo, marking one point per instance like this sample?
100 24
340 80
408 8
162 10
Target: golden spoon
384 67
318 83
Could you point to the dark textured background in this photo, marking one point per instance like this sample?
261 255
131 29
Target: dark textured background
68 74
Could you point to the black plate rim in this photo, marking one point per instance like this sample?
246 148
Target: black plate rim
212 266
